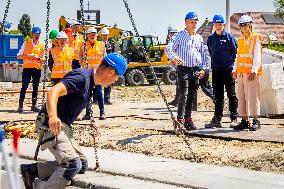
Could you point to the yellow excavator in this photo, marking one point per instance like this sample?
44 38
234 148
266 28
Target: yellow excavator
131 47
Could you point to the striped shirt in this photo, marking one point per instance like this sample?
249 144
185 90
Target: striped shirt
190 49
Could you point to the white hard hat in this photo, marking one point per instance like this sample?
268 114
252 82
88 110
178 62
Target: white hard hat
104 31
62 35
175 30
245 19
73 23
92 30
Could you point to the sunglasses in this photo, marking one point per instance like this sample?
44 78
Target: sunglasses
244 25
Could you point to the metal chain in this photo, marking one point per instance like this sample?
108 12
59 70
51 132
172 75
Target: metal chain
177 126
46 55
84 32
92 120
5 16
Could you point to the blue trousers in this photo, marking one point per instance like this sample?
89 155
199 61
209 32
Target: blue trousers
29 73
97 93
107 91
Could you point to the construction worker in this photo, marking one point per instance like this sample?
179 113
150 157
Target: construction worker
95 54
222 48
32 53
247 70
52 36
61 57
110 48
75 41
64 103
187 50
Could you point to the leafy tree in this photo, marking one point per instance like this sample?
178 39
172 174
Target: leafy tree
279 5
25 25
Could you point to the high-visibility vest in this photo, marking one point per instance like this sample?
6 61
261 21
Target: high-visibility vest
38 51
62 61
76 44
245 53
95 54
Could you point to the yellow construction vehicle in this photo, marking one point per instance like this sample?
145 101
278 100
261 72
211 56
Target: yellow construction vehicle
131 47
138 70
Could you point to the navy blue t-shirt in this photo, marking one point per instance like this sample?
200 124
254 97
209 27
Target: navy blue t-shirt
79 84
222 49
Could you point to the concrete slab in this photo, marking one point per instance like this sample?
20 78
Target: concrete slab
169 171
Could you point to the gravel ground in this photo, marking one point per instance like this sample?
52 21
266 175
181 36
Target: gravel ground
262 156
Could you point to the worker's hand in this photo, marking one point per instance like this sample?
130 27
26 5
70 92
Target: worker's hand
55 125
179 61
234 75
201 74
251 76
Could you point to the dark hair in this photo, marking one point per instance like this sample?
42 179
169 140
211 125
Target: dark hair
105 65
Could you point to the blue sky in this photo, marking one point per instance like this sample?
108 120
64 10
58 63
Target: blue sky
151 16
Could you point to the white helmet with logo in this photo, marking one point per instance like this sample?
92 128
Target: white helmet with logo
245 19
92 30
62 35
105 31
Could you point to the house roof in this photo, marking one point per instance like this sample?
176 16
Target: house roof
263 22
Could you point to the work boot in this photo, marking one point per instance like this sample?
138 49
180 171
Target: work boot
174 102
21 104
34 108
189 124
87 116
29 173
243 125
215 122
108 102
102 116
255 125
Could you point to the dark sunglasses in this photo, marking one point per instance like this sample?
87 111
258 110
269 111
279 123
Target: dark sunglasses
244 25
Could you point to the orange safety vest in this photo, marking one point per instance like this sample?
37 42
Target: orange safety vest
76 44
38 51
62 61
95 54
245 53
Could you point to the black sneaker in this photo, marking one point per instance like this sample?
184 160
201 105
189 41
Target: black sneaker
255 125
29 173
86 117
215 122
243 125
102 116
189 125
108 102
173 103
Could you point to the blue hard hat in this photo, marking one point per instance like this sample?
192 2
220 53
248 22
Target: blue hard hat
117 61
191 16
218 19
36 30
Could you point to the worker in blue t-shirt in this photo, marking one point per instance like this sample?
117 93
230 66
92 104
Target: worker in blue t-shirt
64 103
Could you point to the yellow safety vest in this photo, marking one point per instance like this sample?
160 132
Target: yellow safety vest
76 44
245 53
95 54
62 61
38 51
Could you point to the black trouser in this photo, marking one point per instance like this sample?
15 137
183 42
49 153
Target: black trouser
206 88
219 79
187 86
97 93
107 91
76 64
29 73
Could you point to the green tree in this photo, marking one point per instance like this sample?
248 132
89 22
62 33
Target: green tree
279 5
25 25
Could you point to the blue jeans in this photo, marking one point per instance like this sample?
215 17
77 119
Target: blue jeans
97 93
